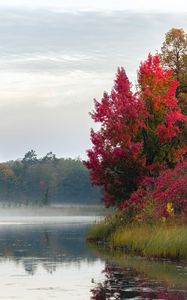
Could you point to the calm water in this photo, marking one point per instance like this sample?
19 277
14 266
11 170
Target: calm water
50 260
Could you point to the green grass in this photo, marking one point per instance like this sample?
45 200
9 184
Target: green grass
164 241
100 232
159 240
103 231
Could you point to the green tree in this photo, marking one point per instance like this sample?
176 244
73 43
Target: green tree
30 158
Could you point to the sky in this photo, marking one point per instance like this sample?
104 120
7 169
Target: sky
98 5
56 56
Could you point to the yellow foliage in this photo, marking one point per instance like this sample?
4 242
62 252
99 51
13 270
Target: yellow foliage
163 219
170 209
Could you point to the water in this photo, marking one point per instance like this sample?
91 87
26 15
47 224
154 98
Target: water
44 258
128 283
129 277
48 260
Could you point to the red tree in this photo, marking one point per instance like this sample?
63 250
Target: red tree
162 137
137 133
115 161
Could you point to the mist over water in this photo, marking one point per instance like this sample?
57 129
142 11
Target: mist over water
51 214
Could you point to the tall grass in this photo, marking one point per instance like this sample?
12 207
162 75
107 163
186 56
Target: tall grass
159 240
100 232
166 241
103 231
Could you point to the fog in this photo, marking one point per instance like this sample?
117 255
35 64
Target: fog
51 214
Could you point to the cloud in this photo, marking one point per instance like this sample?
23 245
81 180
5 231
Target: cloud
53 65
50 90
97 5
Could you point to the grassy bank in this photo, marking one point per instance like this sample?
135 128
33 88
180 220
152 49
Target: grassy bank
159 240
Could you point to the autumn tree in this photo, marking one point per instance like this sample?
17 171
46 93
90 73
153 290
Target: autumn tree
174 56
7 180
139 133
162 135
115 161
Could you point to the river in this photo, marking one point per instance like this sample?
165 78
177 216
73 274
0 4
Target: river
44 258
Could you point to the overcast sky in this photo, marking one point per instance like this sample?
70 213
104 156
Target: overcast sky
88 5
56 56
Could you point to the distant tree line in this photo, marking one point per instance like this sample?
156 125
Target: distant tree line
46 180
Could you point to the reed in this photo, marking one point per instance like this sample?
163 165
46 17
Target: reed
159 240
165 241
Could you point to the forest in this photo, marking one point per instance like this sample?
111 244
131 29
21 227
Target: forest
46 180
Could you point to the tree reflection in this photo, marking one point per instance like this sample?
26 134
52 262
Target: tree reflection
47 246
30 266
129 284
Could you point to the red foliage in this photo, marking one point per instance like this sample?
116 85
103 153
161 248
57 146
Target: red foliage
138 134
170 187
157 91
115 160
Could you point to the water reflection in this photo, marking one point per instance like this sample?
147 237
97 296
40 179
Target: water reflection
129 277
130 284
47 245
49 261
52 261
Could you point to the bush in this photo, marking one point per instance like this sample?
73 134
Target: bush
161 198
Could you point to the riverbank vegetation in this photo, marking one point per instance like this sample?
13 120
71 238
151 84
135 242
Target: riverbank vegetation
139 155
167 241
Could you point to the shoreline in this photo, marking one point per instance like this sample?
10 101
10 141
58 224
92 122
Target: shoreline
158 241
